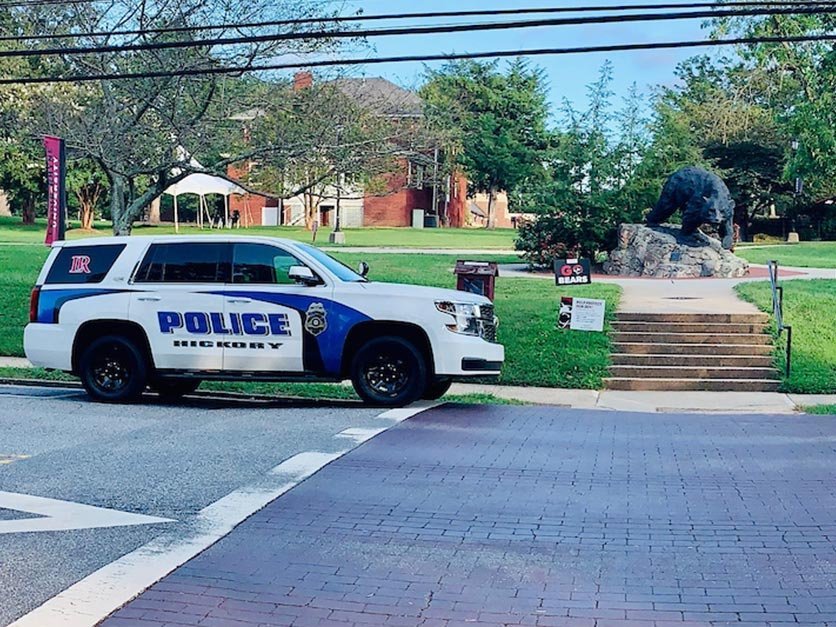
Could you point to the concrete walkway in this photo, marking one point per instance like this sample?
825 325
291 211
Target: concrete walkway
655 402
682 295
393 250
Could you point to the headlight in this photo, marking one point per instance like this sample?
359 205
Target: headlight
466 317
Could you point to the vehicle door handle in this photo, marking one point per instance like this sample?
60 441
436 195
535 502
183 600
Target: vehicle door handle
152 299
239 300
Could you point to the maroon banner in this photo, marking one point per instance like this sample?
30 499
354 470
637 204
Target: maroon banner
56 174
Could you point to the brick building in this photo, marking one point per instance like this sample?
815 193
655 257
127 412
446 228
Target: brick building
411 186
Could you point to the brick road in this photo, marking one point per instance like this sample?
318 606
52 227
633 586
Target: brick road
535 516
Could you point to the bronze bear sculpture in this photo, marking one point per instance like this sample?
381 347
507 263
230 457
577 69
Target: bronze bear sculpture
703 198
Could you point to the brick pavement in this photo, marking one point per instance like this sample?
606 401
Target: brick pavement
484 516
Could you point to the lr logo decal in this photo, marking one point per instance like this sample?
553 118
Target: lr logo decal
80 264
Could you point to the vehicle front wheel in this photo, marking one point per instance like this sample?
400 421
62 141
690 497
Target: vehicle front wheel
113 369
172 389
389 371
437 388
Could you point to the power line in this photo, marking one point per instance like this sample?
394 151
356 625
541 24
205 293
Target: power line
412 30
30 80
402 16
30 3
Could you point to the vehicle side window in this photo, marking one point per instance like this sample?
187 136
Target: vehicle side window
185 262
262 264
84 264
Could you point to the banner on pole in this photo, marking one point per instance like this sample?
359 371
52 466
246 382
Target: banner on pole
56 174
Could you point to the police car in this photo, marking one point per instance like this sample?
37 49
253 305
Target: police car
125 314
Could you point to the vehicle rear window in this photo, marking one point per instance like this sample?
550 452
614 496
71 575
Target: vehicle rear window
185 262
84 264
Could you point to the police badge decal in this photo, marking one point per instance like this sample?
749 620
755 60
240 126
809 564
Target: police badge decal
315 319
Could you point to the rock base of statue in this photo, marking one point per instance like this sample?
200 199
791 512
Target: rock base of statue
663 251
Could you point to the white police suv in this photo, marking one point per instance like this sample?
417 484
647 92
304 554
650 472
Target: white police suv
124 314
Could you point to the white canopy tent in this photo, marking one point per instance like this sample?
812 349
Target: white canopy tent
202 185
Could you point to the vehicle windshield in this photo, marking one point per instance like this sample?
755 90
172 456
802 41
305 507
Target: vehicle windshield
338 268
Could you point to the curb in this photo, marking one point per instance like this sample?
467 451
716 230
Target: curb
207 394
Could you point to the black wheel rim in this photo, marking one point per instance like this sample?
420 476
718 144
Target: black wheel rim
387 374
111 368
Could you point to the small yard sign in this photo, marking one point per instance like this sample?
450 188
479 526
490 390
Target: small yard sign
581 314
572 271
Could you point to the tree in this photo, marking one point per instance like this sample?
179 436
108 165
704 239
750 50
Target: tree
22 175
88 184
590 184
795 82
338 140
147 133
717 118
495 122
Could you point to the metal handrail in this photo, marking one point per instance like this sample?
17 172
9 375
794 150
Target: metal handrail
778 310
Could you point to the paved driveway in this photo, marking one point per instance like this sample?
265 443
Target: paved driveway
536 516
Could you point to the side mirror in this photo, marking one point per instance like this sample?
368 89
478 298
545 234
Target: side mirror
363 269
303 274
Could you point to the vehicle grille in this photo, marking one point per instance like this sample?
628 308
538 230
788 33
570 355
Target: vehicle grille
487 323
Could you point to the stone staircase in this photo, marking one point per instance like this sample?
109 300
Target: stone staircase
692 351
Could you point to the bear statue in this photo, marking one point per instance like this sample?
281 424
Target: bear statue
703 198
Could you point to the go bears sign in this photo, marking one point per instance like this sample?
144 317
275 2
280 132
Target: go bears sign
572 271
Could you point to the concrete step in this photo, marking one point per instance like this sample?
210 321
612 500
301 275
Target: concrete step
692 338
667 348
752 318
689 385
710 361
689 327
691 372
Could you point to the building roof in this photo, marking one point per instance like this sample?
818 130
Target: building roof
380 95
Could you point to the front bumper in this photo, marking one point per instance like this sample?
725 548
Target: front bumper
468 356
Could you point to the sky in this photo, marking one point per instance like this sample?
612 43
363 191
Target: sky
567 75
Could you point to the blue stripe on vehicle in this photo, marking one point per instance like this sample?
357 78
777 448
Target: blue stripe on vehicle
330 342
51 301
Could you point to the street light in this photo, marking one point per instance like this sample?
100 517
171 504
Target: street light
337 236
792 236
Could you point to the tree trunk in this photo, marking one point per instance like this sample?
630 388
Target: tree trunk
120 212
29 210
491 223
154 213
86 208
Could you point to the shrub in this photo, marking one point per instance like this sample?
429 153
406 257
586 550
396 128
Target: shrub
579 233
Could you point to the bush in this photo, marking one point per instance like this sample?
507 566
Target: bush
581 233
540 241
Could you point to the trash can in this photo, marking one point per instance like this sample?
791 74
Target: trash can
477 277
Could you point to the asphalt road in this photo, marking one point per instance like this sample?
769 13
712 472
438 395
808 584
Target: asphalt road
166 461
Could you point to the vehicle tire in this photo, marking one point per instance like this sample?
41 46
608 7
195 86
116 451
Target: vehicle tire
172 389
113 369
437 388
389 371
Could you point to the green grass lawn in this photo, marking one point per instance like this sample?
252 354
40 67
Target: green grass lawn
537 354
821 410
13 231
803 255
809 307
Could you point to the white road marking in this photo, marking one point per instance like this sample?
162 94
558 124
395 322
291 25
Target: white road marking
94 598
305 464
55 515
359 435
402 413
